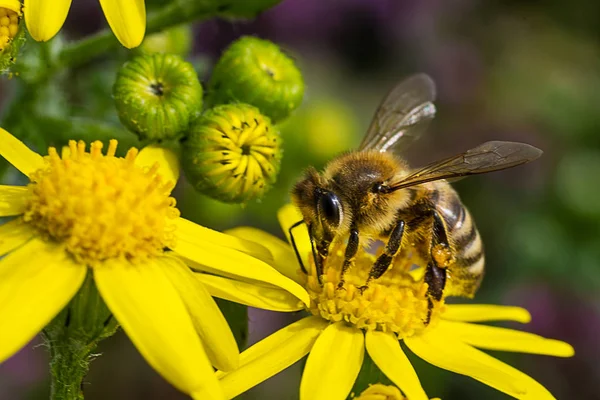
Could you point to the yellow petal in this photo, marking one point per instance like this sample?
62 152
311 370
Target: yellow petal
453 355
288 215
194 234
13 5
336 359
250 294
154 317
485 312
168 164
272 355
12 200
15 151
218 260
495 338
33 289
127 19
284 258
44 18
13 234
387 354
210 324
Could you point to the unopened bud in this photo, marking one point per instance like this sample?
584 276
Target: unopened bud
232 153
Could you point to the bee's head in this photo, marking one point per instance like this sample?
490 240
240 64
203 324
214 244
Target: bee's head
320 205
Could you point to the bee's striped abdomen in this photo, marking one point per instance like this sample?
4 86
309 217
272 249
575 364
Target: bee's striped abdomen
467 270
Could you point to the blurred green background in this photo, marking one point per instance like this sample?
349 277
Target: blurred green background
505 70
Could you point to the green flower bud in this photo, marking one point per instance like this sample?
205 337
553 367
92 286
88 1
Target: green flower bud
232 153
177 40
157 96
12 35
256 72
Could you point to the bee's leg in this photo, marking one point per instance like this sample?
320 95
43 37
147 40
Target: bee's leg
320 251
296 247
441 256
384 260
351 250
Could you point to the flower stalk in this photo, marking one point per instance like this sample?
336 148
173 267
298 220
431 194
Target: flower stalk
175 13
72 337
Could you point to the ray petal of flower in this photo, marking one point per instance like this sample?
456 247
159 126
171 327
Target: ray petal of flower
13 234
289 215
208 320
154 317
272 355
127 19
387 354
19 155
33 291
194 234
250 294
44 18
167 161
486 312
219 260
284 259
13 5
453 355
336 357
495 338
12 200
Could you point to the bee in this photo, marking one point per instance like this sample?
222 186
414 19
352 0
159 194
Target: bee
372 193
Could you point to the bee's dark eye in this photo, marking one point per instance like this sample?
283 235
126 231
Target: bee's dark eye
330 208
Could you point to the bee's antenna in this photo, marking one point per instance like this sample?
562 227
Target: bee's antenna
296 247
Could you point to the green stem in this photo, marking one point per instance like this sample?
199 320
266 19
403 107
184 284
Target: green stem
173 14
72 336
69 366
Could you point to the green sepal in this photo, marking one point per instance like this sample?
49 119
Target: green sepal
257 72
157 96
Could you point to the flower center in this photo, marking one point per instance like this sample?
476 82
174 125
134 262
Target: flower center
102 206
9 26
395 302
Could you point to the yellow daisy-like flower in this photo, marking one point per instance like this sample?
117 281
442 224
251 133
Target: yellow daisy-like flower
9 21
382 392
392 310
127 19
88 210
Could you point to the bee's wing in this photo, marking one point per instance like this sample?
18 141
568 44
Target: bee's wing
487 157
402 115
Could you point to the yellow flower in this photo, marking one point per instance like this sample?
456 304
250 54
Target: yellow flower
127 19
9 21
382 392
88 210
392 310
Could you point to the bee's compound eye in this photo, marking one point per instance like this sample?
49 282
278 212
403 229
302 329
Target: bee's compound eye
330 208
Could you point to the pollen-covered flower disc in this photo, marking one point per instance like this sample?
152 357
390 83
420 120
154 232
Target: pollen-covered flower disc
157 96
257 72
232 153
11 36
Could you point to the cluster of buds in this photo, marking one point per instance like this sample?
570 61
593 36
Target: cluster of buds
232 150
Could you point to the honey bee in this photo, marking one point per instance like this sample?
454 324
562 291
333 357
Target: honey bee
372 193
